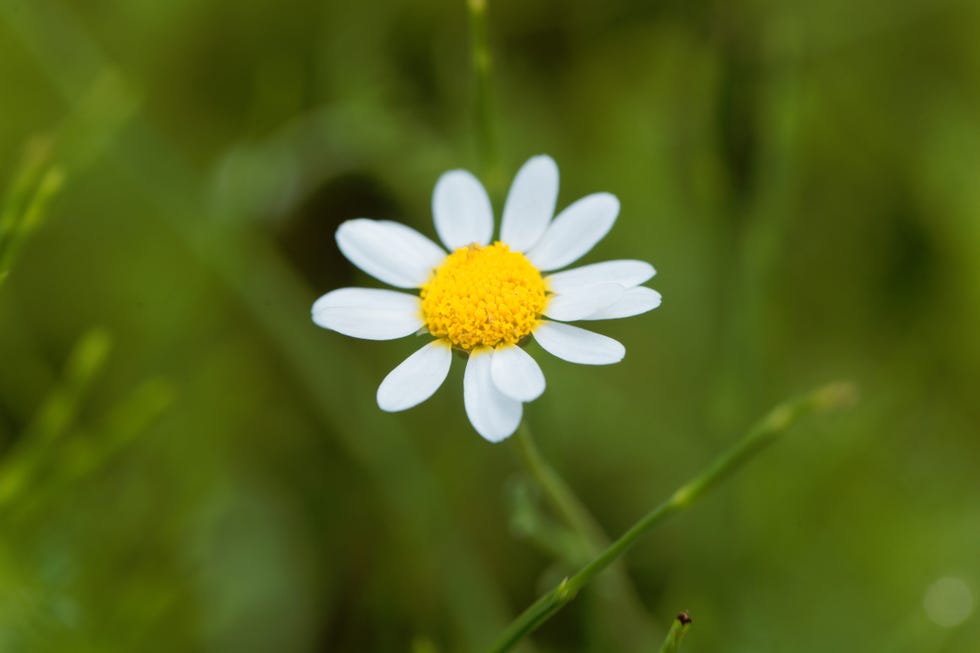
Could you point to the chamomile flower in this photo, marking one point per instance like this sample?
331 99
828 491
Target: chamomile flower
486 298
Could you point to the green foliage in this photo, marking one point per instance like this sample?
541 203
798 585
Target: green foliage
187 463
23 208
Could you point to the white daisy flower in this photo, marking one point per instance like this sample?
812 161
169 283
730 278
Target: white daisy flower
487 298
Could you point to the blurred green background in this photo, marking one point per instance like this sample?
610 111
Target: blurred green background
188 464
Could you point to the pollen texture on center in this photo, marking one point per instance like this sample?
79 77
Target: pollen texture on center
483 297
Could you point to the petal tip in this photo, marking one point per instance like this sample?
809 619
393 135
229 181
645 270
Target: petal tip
495 438
543 159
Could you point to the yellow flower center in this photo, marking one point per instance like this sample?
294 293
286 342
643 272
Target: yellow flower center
483 296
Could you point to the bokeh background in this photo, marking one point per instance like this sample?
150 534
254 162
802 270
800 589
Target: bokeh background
188 464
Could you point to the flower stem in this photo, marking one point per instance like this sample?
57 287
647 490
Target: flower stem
631 619
483 104
765 432
564 502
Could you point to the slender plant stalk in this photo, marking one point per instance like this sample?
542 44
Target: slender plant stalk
483 103
564 502
633 622
672 643
765 432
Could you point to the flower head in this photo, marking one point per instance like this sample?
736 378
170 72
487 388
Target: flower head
487 298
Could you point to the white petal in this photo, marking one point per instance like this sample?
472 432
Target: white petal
516 374
575 231
578 345
633 302
494 415
461 210
583 302
417 378
627 273
388 251
369 313
530 203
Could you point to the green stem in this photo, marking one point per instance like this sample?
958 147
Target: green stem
564 502
765 432
672 643
482 65
624 603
